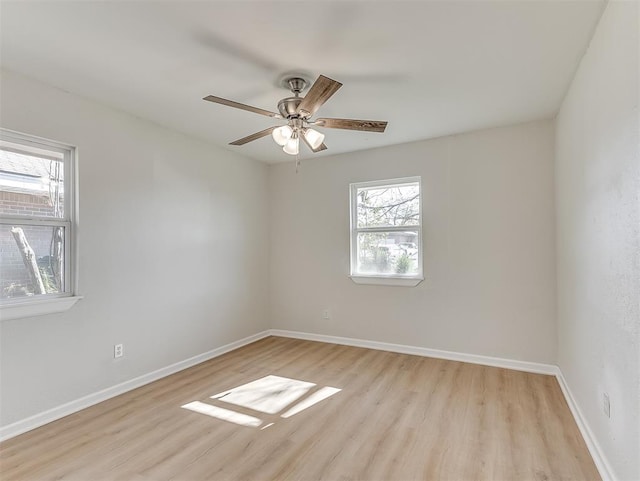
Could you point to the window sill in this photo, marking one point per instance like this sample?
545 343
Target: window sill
37 307
387 281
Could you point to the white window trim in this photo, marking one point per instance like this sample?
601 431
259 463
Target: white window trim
39 307
391 279
50 303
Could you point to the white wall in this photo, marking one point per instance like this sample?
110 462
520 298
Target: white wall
598 227
489 245
173 255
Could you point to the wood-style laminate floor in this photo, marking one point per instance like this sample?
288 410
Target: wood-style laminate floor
395 417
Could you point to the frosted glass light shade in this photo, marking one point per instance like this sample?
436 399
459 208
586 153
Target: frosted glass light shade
282 134
314 138
292 147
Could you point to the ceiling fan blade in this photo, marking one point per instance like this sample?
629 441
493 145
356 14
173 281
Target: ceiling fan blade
352 124
320 148
321 90
238 105
252 137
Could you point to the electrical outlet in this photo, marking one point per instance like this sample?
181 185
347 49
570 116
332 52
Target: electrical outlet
118 350
326 314
606 405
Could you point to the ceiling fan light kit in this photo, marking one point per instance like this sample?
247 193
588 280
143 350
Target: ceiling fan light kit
282 134
314 138
298 112
292 147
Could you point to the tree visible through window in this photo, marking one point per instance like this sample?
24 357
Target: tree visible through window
386 228
35 217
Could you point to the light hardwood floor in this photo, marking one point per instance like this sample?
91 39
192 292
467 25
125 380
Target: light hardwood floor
396 417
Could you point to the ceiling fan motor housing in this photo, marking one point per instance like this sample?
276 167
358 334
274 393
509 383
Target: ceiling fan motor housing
288 107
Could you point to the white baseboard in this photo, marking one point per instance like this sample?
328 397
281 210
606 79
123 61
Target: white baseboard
604 468
534 367
58 412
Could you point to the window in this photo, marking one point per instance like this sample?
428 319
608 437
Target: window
36 225
386 232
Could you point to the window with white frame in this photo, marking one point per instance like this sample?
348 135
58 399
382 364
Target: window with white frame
386 232
36 220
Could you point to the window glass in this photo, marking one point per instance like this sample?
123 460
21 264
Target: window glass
387 253
394 205
35 217
31 186
32 260
386 229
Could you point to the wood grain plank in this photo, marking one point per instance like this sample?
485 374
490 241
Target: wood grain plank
321 90
352 124
252 137
395 417
238 105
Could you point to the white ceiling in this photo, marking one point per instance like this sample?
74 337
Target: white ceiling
429 68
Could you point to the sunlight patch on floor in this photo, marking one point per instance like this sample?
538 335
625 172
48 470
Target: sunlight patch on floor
271 397
224 414
271 394
314 398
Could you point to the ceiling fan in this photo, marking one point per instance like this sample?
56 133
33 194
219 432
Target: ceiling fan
298 112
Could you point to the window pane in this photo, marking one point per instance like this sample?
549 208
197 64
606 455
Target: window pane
31 186
31 260
392 253
388 206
